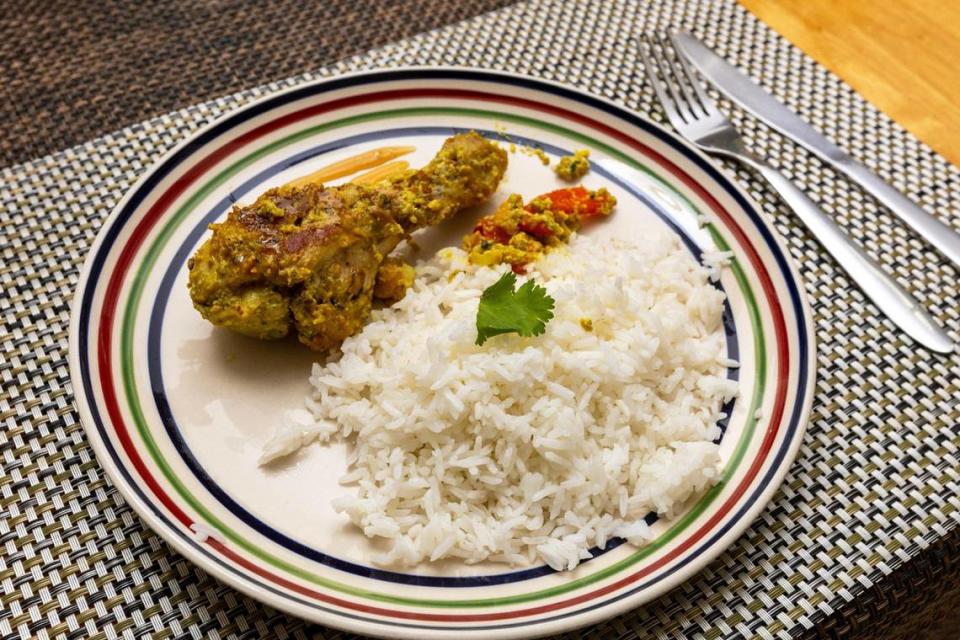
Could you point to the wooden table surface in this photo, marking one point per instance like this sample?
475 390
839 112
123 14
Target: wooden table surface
900 55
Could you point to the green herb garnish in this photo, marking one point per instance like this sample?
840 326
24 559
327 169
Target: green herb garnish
525 311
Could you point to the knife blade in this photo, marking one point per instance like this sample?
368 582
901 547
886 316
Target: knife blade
740 88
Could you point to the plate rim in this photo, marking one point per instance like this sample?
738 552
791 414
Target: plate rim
385 629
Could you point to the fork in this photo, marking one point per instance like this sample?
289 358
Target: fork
696 117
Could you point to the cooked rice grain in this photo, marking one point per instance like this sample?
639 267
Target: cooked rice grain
529 449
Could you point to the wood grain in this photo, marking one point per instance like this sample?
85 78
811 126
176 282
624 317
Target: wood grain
900 55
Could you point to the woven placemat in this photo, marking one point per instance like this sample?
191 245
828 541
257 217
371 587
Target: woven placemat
874 485
75 70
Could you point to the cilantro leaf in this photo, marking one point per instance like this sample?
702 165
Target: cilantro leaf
525 311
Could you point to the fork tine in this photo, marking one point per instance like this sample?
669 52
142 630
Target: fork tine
647 54
705 101
668 81
682 78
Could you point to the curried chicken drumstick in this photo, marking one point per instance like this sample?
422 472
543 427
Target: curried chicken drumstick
308 258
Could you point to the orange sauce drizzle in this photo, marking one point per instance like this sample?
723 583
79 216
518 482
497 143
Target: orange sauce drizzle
383 172
348 166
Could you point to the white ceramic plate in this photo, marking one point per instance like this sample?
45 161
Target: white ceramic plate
178 410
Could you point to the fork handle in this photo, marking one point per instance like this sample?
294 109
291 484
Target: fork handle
889 296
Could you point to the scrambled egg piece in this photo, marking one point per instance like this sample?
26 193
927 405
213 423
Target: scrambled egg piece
573 167
518 234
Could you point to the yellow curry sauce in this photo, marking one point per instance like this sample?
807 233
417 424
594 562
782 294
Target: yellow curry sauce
573 167
517 234
313 259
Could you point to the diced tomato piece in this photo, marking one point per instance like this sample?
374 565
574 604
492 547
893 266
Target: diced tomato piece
599 204
565 200
519 269
579 200
536 228
488 229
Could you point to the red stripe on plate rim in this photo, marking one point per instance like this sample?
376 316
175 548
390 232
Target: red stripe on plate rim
176 189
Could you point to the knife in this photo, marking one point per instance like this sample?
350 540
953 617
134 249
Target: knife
745 92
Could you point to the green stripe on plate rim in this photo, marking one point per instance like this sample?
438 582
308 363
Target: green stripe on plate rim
129 376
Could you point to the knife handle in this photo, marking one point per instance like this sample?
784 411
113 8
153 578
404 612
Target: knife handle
902 308
939 234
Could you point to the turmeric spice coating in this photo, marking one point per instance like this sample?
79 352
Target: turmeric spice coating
308 258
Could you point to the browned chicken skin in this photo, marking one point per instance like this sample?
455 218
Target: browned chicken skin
309 258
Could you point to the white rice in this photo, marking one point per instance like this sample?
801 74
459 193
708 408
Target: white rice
528 449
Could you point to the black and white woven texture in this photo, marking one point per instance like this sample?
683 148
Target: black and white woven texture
875 481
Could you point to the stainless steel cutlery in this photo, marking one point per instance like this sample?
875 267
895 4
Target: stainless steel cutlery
696 117
745 92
